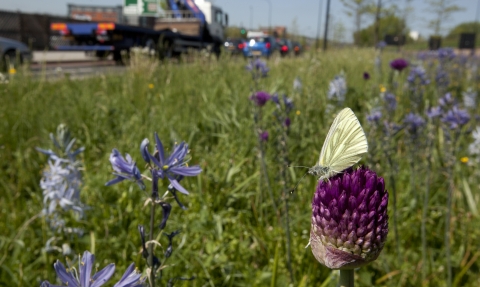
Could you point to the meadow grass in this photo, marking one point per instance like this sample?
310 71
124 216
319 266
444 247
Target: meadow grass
230 235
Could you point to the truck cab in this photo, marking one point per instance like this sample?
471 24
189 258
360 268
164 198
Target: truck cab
216 20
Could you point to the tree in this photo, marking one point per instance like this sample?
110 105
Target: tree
442 10
388 25
356 9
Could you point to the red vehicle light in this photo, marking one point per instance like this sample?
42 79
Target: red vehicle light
297 48
241 46
268 45
284 48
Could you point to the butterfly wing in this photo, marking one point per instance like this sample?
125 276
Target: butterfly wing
345 144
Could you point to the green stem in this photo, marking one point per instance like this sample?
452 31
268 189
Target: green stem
151 245
426 200
346 278
449 209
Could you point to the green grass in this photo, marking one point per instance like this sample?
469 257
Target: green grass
230 235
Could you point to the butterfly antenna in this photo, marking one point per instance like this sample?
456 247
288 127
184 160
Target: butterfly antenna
298 182
297 166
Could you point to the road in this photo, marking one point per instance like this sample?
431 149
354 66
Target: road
55 65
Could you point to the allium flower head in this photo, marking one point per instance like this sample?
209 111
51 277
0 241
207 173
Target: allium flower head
173 167
366 76
456 118
264 136
399 64
260 98
337 88
349 219
124 169
287 122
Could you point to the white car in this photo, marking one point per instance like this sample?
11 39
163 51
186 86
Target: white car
13 53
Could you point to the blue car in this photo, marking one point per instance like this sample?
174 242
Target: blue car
261 46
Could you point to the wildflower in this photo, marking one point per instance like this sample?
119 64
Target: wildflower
390 102
349 219
131 278
413 123
297 84
418 76
366 76
337 88
446 100
151 86
442 78
381 45
434 112
456 118
84 278
288 103
166 208
264 136
470 98
260 98
287 122
125 169
170 236
446 53
399 64
259 66
474 147
298 112
12 71
464 159
174 167
374 117
382 89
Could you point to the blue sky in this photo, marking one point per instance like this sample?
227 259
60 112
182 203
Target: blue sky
284 12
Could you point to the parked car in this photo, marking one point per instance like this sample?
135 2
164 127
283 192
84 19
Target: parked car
285 47
13 53
297 48
260 46
234 46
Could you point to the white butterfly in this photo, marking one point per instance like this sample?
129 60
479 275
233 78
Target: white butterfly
344 146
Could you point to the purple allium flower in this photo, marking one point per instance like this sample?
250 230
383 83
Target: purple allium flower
349 219
287 122
390 102
374 117
418 76
124 169
366 76
434 112
174 167
413 123
264 136
85 278
456 118
399 64
259 66
260 98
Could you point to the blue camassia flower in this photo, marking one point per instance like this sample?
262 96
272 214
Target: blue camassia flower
124 169
174 167
130 279
456 118
259 66
413 123
337 88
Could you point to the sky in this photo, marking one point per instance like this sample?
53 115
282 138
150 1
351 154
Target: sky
283 13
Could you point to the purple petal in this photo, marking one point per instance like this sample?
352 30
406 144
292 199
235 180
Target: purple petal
186 171
63 275
86 268
160 149
177 185
115 180
103 275
166 207
144 150
179 152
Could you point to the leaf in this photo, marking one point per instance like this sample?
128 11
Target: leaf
469 196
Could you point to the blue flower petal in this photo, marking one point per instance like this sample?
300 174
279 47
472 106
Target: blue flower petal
86 268
64 276
177 185
186 171
160 149
103 275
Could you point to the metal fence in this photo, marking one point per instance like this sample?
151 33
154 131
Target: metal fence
31 29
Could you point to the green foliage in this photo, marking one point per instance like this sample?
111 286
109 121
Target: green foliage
230 235
442 10
389 25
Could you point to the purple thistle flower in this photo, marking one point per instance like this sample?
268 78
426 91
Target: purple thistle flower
374 117
125 169
349 219
174 167
399 64
366 76
260 98
390 101
264 136
287 122
85 269
456 118
413 123
434 112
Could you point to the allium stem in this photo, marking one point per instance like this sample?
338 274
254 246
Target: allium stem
346 278
151 245
394 200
